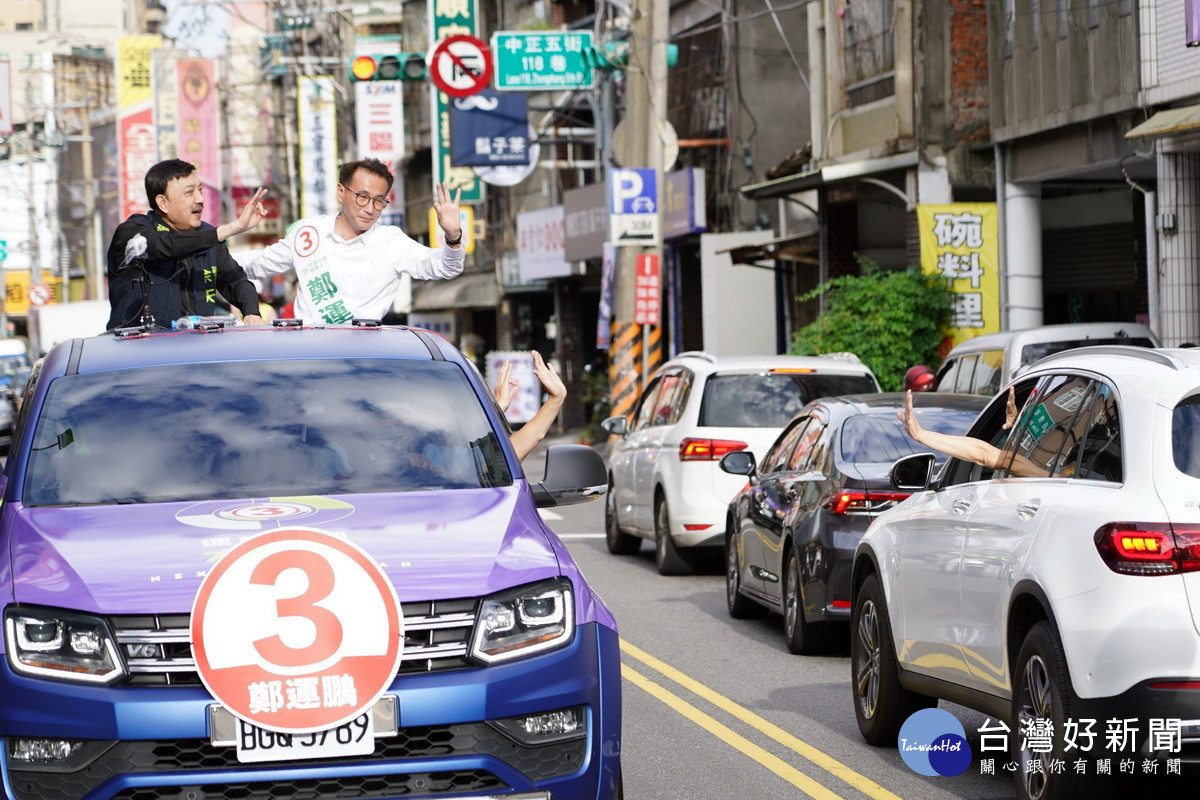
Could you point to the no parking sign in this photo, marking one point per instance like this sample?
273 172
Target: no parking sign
296 630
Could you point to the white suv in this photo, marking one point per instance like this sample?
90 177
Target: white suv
1052 600
664 480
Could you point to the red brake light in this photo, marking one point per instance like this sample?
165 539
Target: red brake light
708 449
1139 548
792 370
863 502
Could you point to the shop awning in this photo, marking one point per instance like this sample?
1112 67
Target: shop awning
790 184
802 248
476 290
1173 120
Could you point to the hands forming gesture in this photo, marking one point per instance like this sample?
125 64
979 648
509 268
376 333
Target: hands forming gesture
447 211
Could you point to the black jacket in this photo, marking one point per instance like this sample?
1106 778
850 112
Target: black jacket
179 274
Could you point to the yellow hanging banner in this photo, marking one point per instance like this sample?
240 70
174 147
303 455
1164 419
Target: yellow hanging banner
961 243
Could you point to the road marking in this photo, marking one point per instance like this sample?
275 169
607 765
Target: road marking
821 759
548 514
735 740
581 536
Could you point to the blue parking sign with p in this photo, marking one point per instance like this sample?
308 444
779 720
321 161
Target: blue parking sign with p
633 191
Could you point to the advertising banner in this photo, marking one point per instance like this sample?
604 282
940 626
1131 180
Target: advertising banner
960 243
136 140
489 130
6 121
138 152
540 244
318 144
379 117
196 128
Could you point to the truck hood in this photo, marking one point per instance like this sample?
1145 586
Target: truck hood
141 559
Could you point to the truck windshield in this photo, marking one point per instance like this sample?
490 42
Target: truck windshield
260 429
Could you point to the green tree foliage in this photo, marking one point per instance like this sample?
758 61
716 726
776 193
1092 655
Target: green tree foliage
891 319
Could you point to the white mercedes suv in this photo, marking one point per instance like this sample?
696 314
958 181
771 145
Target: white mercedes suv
1060 589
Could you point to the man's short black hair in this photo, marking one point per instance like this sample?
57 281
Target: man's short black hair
162 173
372 165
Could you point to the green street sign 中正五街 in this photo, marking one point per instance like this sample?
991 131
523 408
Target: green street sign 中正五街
534 61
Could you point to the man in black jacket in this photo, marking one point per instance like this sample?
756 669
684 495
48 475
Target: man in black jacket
170 262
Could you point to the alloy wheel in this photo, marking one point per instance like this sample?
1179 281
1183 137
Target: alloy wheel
1036 701
867 660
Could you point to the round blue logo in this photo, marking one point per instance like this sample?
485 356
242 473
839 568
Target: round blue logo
932 742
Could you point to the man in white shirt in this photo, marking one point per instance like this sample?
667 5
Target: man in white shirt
347 265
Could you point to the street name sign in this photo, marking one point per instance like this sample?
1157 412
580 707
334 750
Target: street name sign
535 61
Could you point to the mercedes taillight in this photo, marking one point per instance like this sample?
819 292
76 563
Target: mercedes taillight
1149 548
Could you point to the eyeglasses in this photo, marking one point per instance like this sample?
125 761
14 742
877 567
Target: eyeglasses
363 198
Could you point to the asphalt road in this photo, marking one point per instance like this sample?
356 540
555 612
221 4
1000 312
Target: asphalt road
717 709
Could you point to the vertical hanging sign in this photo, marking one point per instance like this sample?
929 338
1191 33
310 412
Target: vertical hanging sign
6 124
450 18
196 128
960 242
137 145
318 144
647 287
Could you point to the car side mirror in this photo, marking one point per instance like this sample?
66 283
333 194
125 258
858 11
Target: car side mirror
739 462
913 473
617 426
574 473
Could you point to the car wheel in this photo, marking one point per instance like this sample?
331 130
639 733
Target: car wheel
670 559
740 606
803 637
881 704
1043 691
619 543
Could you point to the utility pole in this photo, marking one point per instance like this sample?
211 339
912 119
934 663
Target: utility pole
35 272
636 350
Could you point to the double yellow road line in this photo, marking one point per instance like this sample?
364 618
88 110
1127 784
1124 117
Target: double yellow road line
810 786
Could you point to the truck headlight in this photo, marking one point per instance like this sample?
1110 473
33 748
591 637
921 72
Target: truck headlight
522 621
51 643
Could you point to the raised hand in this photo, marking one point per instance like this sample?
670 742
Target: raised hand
254 211
447 211
549 378
506 388
1010 412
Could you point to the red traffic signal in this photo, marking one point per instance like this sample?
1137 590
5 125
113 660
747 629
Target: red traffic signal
393 67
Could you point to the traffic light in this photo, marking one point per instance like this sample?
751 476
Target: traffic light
612 56
393 67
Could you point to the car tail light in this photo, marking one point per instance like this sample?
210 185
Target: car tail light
790 370
863 502
1140 548
708 449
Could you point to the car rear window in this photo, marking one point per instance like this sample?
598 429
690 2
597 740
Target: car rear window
770 399
880 438
1033 352
260 429
1185 436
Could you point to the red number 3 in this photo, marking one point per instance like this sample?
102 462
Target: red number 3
329 631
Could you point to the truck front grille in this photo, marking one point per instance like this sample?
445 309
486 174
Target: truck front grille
158 648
